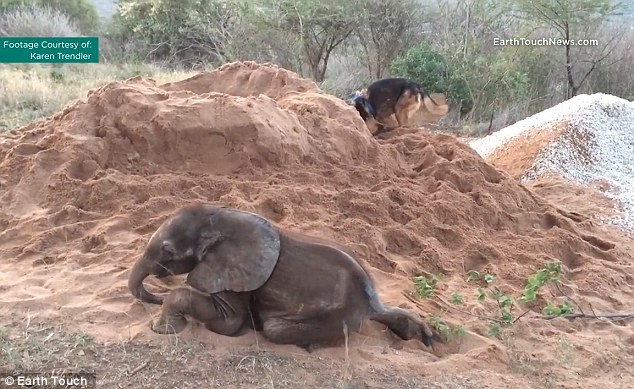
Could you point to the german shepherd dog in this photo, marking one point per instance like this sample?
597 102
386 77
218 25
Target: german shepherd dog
396 96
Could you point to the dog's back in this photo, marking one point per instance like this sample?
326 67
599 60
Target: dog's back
399 96
387 91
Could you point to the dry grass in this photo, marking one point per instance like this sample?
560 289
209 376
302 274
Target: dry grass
31 91
174 363
31 20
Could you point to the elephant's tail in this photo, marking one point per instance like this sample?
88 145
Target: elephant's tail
403 323
376 306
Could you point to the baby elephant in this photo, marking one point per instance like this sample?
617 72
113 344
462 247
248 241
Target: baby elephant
244 270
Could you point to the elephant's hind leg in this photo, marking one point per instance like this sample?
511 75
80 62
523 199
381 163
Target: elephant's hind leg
404 324
223 313
306 333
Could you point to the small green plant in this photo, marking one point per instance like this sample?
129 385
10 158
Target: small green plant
456 299
557 310
425 286
505 305
443 328
473 275
549 273
494 330
481 295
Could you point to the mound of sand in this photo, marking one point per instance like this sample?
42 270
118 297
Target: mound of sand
84 189
588 140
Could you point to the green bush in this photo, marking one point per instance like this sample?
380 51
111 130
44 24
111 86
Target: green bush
495 80
483 81
429 67
83 12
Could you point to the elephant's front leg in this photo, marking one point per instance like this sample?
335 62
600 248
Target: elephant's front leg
224 313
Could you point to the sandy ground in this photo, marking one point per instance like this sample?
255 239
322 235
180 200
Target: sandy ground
82 191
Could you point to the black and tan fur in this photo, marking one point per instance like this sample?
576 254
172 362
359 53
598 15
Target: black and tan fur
396 96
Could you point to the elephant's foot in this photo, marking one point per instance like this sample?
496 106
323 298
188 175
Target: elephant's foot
224 313
173 311
309 348
404 324
171 325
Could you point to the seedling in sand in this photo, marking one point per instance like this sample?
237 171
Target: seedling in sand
456 299
549 274
443 329
557 310
474 275
425 286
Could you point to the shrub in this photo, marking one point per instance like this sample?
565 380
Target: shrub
483 81
36 21
83 12
433 71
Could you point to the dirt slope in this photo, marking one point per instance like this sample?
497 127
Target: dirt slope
81 192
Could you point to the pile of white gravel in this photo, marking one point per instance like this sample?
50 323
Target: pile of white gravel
607 121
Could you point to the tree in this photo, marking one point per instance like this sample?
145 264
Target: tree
321 27
188 32
386 29
569 18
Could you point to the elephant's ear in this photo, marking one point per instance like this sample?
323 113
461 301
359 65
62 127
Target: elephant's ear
238 252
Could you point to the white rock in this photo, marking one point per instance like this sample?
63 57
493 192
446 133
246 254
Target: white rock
604 124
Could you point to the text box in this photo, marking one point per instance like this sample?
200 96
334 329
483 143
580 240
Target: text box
49 50
60 380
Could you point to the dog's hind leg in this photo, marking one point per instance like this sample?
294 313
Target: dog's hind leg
401 117
405 107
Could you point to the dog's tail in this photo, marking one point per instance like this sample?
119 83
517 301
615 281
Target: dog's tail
426 96
436 108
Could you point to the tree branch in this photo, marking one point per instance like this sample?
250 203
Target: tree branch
609 315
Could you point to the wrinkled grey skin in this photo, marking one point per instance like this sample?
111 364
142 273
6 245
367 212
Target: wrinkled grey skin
243 270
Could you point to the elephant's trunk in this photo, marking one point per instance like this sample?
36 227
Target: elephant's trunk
138 274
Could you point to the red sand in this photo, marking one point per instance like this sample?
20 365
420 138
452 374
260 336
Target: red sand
82 191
